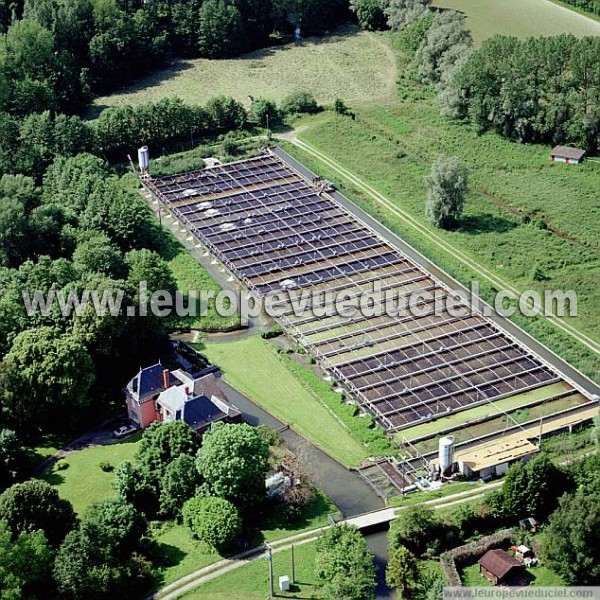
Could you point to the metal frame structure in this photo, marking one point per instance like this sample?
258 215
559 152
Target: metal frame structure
277 232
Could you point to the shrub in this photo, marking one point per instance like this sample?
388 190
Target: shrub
61 465
106 467
273 332
215 521
369 14
340 107
300 102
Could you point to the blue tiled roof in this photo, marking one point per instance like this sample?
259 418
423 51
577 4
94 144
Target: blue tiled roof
200 411
149 382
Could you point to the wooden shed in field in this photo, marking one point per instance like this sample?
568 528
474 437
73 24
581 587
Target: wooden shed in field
567 154
499 567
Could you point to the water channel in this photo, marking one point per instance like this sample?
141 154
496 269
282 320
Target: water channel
345 488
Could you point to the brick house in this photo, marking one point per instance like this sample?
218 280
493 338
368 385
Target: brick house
158 394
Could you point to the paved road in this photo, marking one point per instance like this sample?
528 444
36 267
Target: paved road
545 354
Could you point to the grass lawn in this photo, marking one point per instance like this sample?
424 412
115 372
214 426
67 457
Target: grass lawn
521 18
446 490
252 580
253 367
181 554
84 482
355 64
190 275
539 576
471 577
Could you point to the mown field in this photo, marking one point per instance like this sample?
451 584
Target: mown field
521 18
253 367
356 65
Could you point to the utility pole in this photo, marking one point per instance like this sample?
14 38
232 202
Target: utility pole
293 566
269 557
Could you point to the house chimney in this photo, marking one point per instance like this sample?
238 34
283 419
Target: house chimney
166 380
187 390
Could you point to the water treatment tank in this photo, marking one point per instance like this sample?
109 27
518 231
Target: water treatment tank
446 453
144 158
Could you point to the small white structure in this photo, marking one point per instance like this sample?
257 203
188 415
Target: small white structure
144 158
446 454
284 583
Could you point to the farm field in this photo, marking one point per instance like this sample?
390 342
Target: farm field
262 376
356 64
84 466
521 18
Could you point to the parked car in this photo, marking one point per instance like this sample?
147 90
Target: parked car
124 430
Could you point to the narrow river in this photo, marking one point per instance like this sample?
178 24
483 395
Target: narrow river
345 488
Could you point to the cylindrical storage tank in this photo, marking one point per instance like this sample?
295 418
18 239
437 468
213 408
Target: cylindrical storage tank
144 158
446 453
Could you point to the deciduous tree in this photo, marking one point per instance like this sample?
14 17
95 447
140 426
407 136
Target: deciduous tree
34 505
446 189
571 540
344 564
402 571
233 462
214 521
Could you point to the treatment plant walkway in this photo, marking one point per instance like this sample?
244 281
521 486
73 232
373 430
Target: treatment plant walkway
547 355
380 517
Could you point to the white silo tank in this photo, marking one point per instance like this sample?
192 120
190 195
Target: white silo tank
144 158
446 453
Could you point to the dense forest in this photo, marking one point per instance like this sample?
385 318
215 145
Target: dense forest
591 6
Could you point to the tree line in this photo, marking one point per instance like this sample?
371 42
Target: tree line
29 145
536 90
55 54
591 6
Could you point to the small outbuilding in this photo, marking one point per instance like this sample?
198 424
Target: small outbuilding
567 154
500 568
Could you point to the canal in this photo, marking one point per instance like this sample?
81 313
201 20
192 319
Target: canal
345 488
